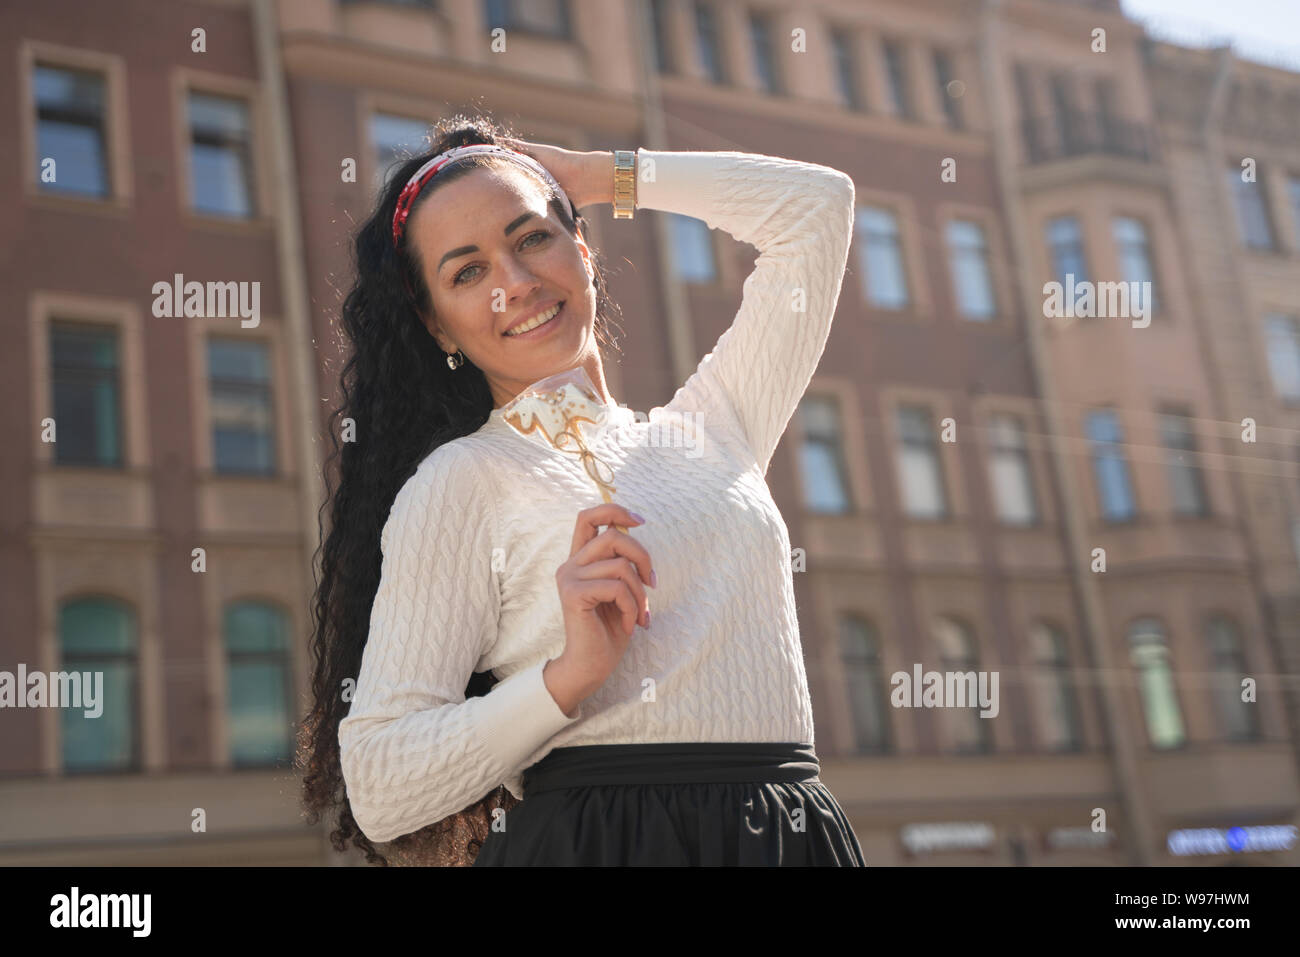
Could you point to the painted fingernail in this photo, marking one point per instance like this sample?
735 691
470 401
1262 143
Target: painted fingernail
654 578
647 618
636 516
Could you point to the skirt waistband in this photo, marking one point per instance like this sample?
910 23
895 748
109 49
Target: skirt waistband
708 762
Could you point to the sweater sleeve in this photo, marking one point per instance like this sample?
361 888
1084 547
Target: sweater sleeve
800 218
413 749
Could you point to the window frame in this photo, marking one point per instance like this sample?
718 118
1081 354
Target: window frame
125 318
845 55
933 445
838 454
1130 477
1181 712
1165 412
268 388
850 619
116 125
186 80
562 31
1158 305
136 657
1238 190
710 40
284 656
898 79
270 332
993 451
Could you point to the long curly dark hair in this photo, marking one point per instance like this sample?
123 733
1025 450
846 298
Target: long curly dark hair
403 402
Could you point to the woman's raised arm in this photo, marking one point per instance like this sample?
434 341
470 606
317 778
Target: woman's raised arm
800 217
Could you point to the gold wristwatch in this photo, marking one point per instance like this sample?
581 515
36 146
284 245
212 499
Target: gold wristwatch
624 183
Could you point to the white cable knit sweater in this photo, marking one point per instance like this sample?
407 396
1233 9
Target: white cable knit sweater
475 536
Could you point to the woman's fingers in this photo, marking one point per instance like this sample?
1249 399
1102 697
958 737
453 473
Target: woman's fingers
624 569
612 543
598 591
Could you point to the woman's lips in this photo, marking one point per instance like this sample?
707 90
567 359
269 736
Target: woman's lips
544 327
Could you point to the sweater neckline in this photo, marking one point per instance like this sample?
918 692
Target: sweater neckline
615 416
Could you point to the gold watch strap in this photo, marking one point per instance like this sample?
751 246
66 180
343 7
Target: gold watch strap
624 183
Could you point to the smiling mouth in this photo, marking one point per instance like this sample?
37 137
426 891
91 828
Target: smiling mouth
536 323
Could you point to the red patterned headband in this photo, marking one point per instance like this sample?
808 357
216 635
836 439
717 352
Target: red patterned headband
431 169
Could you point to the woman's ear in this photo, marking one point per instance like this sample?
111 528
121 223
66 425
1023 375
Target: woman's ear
431 324
586 259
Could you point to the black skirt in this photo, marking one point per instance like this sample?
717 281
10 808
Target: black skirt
679 804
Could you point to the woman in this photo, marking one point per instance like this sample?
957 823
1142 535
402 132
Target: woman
652 706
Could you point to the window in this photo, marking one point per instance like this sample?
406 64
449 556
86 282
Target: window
98 635
659 35
1114 487
920 473
968 257
706 42
1053 698
967 731
1185 480
1135 262
864 674
1010 472
1253 220
896 68
821 457
943 75
394 139
549 17
1068 121
84 374
258 691
1283 334
880 255
70 129
760 34
1150 658
1065 242
1293 190
221 168
1238 717
692 249
846 71
240 382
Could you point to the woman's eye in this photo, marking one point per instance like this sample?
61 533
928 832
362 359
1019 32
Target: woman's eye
541 232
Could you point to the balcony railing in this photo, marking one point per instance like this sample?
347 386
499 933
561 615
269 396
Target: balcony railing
1081 134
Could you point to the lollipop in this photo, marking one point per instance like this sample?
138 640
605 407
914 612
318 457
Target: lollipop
555 408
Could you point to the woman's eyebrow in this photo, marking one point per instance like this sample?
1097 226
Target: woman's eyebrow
464 250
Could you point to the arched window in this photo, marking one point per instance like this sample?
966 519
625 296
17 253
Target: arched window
1238 718
257 681
1055 711
860 654
97 638
1150 657
967 731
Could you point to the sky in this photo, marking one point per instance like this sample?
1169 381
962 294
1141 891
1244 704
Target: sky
1263 30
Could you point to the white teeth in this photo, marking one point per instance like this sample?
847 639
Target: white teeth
543 318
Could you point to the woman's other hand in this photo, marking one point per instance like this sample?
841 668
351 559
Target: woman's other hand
603 597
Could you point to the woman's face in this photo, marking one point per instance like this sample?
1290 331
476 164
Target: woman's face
495 255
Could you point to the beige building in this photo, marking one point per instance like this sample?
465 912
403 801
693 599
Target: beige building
960 457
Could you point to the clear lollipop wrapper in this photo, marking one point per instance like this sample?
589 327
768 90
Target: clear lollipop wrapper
556 410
